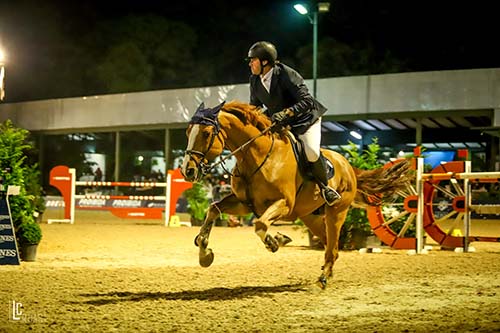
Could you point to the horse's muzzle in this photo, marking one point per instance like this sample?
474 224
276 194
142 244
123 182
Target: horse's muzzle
189 174
190 170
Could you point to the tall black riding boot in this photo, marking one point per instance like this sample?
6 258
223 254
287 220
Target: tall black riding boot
319 172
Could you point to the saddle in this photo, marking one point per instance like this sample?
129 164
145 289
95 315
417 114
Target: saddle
302 163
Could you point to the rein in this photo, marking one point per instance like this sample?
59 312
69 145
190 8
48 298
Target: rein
223 159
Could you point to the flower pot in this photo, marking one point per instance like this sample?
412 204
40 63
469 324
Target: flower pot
314 242
28 252
196 222
220 222
358 239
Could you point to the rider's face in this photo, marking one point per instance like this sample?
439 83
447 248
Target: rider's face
255 66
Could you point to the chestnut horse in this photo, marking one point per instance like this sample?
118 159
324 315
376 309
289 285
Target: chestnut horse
266 179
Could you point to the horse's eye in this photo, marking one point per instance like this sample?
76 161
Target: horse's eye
206 134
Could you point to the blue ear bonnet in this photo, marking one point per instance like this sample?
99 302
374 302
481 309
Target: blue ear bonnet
206 116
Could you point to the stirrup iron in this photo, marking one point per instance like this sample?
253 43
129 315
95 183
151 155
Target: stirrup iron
329 195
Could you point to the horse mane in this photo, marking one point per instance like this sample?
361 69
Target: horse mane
248 114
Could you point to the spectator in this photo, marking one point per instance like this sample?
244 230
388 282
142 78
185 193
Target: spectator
98 174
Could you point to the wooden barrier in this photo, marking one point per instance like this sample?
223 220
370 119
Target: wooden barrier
419 197
462 204
63 178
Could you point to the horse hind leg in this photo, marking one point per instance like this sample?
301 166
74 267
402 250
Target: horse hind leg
334 222
316 224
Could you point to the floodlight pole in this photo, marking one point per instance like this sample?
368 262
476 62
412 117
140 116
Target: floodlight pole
2 74
322 7
315 51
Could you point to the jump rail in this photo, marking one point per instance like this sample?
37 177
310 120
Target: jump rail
63 178
480 177
468 177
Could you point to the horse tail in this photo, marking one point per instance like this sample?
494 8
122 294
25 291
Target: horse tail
376 187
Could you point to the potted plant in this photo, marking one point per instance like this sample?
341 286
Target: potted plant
356 228
197 198
15 170
29 235
355 231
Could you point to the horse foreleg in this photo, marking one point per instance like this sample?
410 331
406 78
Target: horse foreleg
277 210
334 222
229 204
206 256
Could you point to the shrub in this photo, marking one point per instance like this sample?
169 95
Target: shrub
14 170
356 221
197 198
29 233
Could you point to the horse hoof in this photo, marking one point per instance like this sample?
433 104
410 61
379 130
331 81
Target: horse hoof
271 243
322 282
282 239
207 258
198 240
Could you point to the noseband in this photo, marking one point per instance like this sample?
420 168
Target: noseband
203 166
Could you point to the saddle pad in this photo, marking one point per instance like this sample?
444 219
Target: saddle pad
303 164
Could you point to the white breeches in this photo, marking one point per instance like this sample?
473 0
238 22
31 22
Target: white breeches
312 140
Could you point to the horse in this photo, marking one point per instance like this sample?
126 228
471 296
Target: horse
267 181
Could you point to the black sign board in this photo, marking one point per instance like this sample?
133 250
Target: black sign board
9 254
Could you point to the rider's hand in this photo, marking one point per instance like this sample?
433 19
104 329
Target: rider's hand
282 116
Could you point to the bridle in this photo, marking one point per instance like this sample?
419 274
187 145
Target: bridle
204 167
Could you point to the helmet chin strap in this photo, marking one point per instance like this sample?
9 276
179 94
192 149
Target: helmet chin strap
262 66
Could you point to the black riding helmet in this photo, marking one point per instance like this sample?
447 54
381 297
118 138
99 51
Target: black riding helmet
263 51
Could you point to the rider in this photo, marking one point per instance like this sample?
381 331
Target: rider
282 91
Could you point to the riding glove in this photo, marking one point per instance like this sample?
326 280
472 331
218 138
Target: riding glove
282 116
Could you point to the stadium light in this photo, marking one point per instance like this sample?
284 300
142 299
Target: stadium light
301 9
322 7
356 135
2 74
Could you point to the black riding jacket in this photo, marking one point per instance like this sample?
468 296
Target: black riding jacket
287 91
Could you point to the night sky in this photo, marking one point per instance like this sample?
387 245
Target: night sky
52 45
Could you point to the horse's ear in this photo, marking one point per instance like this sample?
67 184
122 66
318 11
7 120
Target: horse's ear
201 107
217 109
